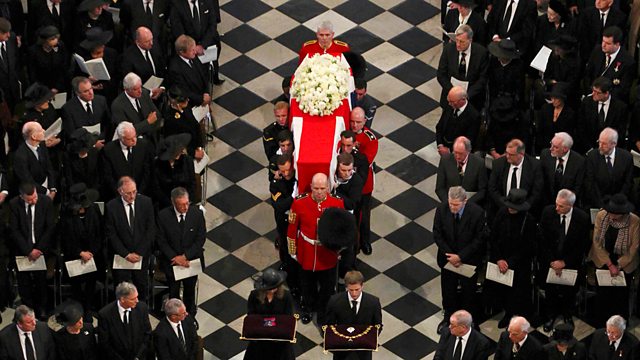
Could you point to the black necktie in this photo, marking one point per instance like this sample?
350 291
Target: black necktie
28 347
191 63
54 12
126 317
147 8
181 222
461 170
612 350
462 68
514 179
5 57
607 62
129 154
147 57
89 111
602 21
29 222
139 110
181 338
609 164
507 18
558 174
456 226
354 307
601 115
457 353
563 224
196 16
132 216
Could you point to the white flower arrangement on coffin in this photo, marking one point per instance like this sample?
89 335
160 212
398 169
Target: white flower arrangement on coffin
320 84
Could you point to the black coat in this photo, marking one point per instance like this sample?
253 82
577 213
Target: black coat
43 226
575 351
44 346
530 350
617 117
476 74
83 234
28 168
591 27
572 178
121 239
476 21
52 68
622 71
80 346
522 27
469 244
277 350
168 178
182 21
575 244
351 192
10 76
474 179
174 241
74 116
115 342
599 182
133 61
168 346
547 128
599 348
115 166
449 127
193 81
530 180
122 110
477 347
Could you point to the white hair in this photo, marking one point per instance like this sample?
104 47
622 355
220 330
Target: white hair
130 80
325 25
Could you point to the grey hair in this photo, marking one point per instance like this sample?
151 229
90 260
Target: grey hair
172 306
618 322
130 80
21 312
125 289
122 127
179 192
465 29
567 195
465 141
463 317
611 134
520 322
29 128
567 140
325 25
457 193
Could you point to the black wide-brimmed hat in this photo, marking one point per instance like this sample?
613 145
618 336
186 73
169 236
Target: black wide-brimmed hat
269 279
95 37
172 145
37 94
517 200
559 90
565 42
81 140
504 49
618 204
176 93
88 5
81 196
466 3
563 333
560 9
69 312
47 32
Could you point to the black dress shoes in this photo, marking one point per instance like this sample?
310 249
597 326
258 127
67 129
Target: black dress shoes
218 81
444 323
306 318
548 326
504 322
568 320
366 248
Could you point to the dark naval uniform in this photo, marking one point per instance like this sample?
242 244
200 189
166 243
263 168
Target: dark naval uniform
269 140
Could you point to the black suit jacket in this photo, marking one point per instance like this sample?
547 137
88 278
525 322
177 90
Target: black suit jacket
477 347
530 350
113 339
476 75
43 226
599 348
115 166
167 345
466 124
351 192
28 168
192 80
474 179
476 21
174 241
622 71
75 116
617 117
40 15
121 238
599 182
83 234
182 21
133 61
10 77
590 27
133 15
470 242
572 178
522 27
530 180
575 351
10 348
339 312
576 242
122 110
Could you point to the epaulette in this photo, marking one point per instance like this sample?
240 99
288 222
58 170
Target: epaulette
310 42
302 196
341 43
370 134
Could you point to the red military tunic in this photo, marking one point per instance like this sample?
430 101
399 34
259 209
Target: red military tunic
368 146
302 235
312 47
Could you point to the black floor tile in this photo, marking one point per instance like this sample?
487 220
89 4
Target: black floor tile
415 41
236 166
412 309
372 72
238 133
360 40
226 306
411 344
302 345
412 273
234 200
412 203
242 69
413 104
415 11
232 235
367 271
411 238
246 10
412 169
414 72
244 38
294 38
302 10
224 343
230 270
240 101
287 69
358 11
412 136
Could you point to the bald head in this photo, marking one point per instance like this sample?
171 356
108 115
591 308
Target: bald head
357 119
144 38
457 97
319 187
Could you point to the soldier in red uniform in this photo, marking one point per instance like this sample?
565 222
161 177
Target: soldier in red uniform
318 263
367 144
324 44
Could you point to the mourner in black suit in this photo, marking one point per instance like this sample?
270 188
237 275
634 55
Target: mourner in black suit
518 26
188 73
564 241
554 117
269 134
130 232
460 341
86 109
462 168
625 343
9 65
458 231
470 67
31 162
612 61
176 337
143 59
600 110
128 156
48 60
367 310
515 343
609 170
563 345
134 14
562 168
38 339
124 331
41 13
181 236
348 184
460 118
467 13
32 226
591 24
134 105
527 175
81 160
506 73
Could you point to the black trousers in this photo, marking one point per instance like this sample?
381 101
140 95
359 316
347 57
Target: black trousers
365 219
451 300
139 278
32 286
289 265
188 289
317 288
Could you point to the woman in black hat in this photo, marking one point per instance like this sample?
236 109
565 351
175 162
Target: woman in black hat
552 24
94 46
564 346
174 167
91 14
178 119
38 108
49 60
554 117
616 236
81 160
565 65
77 339
270 298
